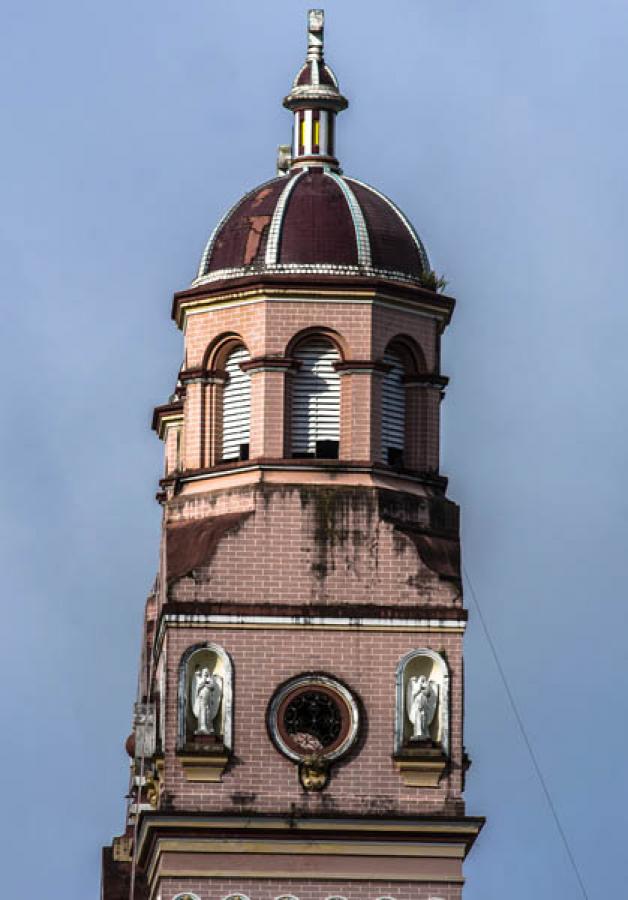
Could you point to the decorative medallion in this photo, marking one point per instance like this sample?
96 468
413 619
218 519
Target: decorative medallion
313 720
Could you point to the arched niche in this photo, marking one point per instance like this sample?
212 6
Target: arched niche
196 661
433 667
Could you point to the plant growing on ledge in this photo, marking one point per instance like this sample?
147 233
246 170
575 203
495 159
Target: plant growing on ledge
433 282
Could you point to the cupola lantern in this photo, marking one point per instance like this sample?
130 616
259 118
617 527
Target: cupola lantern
315 99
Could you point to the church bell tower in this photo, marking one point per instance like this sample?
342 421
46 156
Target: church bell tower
298 730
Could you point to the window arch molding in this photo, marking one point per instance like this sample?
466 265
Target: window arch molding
422 660
186 665
410 352
235 897
324 333
219 349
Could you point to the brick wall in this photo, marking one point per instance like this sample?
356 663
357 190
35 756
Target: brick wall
309 543
265 889
260 779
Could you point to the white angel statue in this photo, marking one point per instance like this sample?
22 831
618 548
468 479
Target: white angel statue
206 690
421 703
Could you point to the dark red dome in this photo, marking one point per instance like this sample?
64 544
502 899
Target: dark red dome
314 221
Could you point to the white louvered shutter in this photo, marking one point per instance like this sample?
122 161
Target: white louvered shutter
316 400
393 410
236 407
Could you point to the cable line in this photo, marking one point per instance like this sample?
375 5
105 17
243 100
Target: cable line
524 734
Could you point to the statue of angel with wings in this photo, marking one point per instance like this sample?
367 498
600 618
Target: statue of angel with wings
421 703
206 690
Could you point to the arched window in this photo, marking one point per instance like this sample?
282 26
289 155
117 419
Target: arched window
236 407
393 410
316 401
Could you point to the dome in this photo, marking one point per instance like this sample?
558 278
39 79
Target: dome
314 221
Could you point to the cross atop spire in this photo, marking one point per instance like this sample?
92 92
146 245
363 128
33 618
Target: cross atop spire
315 33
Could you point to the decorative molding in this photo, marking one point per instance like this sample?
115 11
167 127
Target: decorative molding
423 767
337 466
166 415
300 621
454 832
361 367
207 768
274 232
279 287
361 232
202 376
270 364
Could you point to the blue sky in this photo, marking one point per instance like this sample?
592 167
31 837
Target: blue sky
501 130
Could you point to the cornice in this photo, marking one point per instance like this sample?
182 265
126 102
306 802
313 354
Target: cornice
167 414
339 617
266 464
315 288
448 830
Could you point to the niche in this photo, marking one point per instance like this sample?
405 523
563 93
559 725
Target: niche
205 711
422 718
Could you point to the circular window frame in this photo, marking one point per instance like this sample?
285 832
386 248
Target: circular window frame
348 707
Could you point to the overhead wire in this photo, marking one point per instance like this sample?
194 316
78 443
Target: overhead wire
526 739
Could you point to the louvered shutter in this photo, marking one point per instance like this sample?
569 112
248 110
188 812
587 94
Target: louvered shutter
316 401
236 407
393 410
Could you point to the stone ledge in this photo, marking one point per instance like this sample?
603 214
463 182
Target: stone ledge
203 766
421 767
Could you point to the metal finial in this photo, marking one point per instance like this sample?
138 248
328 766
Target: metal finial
315 32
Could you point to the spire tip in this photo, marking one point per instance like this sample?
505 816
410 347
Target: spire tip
315 30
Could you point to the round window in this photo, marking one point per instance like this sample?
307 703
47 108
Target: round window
313 715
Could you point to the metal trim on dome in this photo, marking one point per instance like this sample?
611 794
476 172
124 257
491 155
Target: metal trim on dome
359 223
274 232
409 226
305 269
209 246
